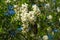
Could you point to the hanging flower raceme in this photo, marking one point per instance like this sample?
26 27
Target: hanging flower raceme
29 16
26 15
20 11
24 20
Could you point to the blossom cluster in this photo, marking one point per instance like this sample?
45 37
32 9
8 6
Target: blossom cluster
28 16
25 15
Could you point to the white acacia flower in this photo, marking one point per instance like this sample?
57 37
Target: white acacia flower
24 5
31 16
45 37
24 8
25 27
23 17
49 17
58 9
35 8
28 16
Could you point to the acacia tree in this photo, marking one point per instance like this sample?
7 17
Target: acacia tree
29 19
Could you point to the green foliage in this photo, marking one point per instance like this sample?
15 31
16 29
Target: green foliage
7 23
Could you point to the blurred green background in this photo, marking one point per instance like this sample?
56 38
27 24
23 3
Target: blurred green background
11 29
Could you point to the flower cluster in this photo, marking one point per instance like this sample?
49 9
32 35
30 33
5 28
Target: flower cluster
39 19
28 16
